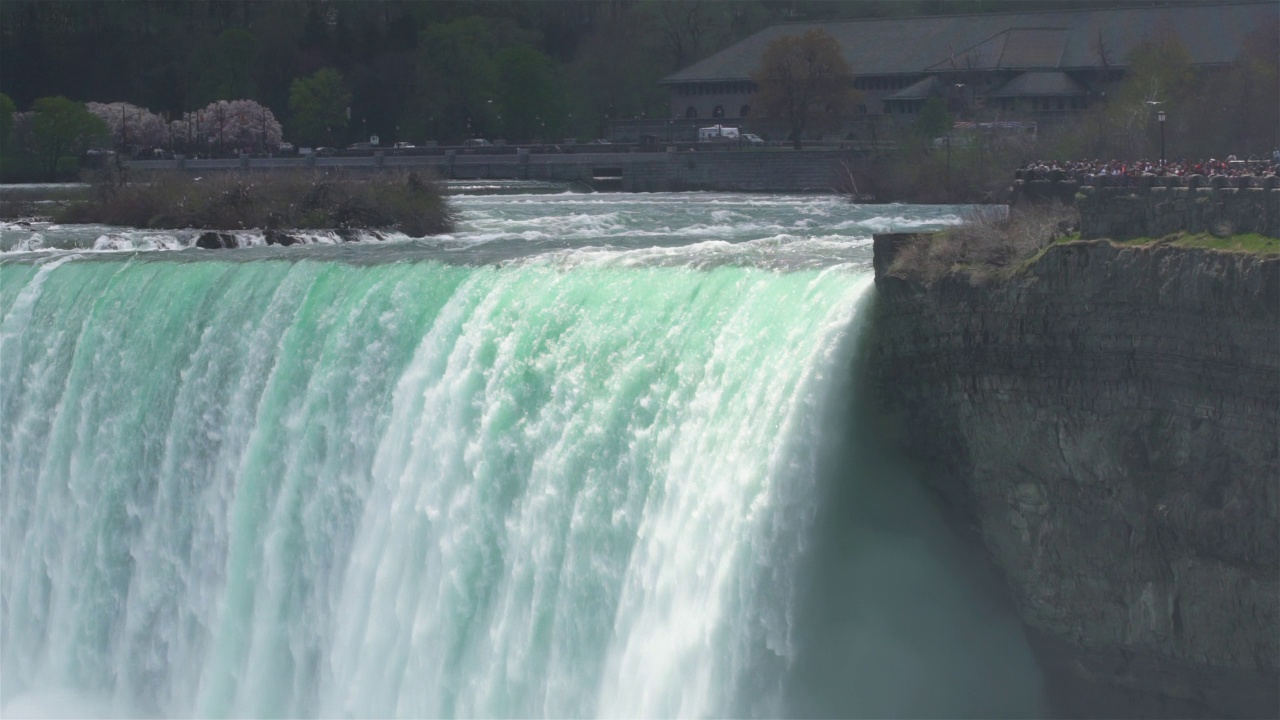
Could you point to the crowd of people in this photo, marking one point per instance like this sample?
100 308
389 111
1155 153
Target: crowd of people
1126 172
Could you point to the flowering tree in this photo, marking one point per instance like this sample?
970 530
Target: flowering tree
132 126
230 125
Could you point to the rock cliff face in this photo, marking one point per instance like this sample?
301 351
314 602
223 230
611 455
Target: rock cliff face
1108 421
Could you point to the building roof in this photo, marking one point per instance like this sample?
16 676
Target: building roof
919 90
1039 82
1043 40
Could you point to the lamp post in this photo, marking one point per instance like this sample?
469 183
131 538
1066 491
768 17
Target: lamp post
1160 116
947 137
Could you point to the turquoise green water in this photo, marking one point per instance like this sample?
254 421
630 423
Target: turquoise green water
282 488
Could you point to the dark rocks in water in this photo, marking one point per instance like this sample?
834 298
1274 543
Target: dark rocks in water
278 237
217 241
348 234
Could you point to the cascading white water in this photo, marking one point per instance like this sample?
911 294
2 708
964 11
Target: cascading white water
379 483
251 494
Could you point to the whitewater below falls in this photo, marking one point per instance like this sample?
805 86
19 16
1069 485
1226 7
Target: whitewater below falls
590 455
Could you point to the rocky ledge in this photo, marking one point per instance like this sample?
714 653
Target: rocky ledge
1107 421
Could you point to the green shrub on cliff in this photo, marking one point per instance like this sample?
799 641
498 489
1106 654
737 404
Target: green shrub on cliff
408 202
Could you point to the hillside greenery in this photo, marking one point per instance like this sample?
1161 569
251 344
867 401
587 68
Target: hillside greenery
439 70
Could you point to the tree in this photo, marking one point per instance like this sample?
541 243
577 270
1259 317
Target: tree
934 119
533 100
130 125
615 74
1237 108
318 108
241 125
227 69
7 109
804 80
1159 76
62 128
457 75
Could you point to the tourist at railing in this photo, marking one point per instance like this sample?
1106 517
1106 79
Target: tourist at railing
1255 169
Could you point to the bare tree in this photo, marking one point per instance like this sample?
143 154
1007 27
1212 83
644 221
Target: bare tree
804 80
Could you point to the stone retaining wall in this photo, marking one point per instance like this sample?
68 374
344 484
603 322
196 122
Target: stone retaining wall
1151 208
749 170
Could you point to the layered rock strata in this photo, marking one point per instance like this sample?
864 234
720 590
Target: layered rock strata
1108 420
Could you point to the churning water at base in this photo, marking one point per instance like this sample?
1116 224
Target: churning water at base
571 461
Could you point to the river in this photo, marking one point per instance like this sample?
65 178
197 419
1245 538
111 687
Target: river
589 455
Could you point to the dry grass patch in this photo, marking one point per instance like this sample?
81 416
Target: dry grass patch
989 239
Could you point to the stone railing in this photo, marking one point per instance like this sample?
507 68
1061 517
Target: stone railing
1154 206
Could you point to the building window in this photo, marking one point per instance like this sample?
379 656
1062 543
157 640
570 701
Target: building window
692 112
745 111
1062 103
717 111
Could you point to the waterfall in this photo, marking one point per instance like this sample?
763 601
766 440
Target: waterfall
315 487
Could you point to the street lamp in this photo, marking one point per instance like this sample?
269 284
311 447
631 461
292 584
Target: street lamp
1160 115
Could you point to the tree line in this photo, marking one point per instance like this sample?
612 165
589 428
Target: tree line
402 70
216 76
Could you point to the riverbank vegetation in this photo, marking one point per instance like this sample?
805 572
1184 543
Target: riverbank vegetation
408 202
993 241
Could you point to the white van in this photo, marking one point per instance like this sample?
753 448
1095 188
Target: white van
717 133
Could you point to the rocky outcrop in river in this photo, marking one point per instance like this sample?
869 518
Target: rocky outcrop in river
1107 421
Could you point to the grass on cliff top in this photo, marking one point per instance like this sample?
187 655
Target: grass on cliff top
1246 242
410 202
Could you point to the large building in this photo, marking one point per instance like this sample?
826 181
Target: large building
1030 65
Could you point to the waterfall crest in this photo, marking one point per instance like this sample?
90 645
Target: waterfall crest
409 488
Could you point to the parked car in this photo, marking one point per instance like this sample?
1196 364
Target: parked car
476 142
753 140
404 145
717 133
285 148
